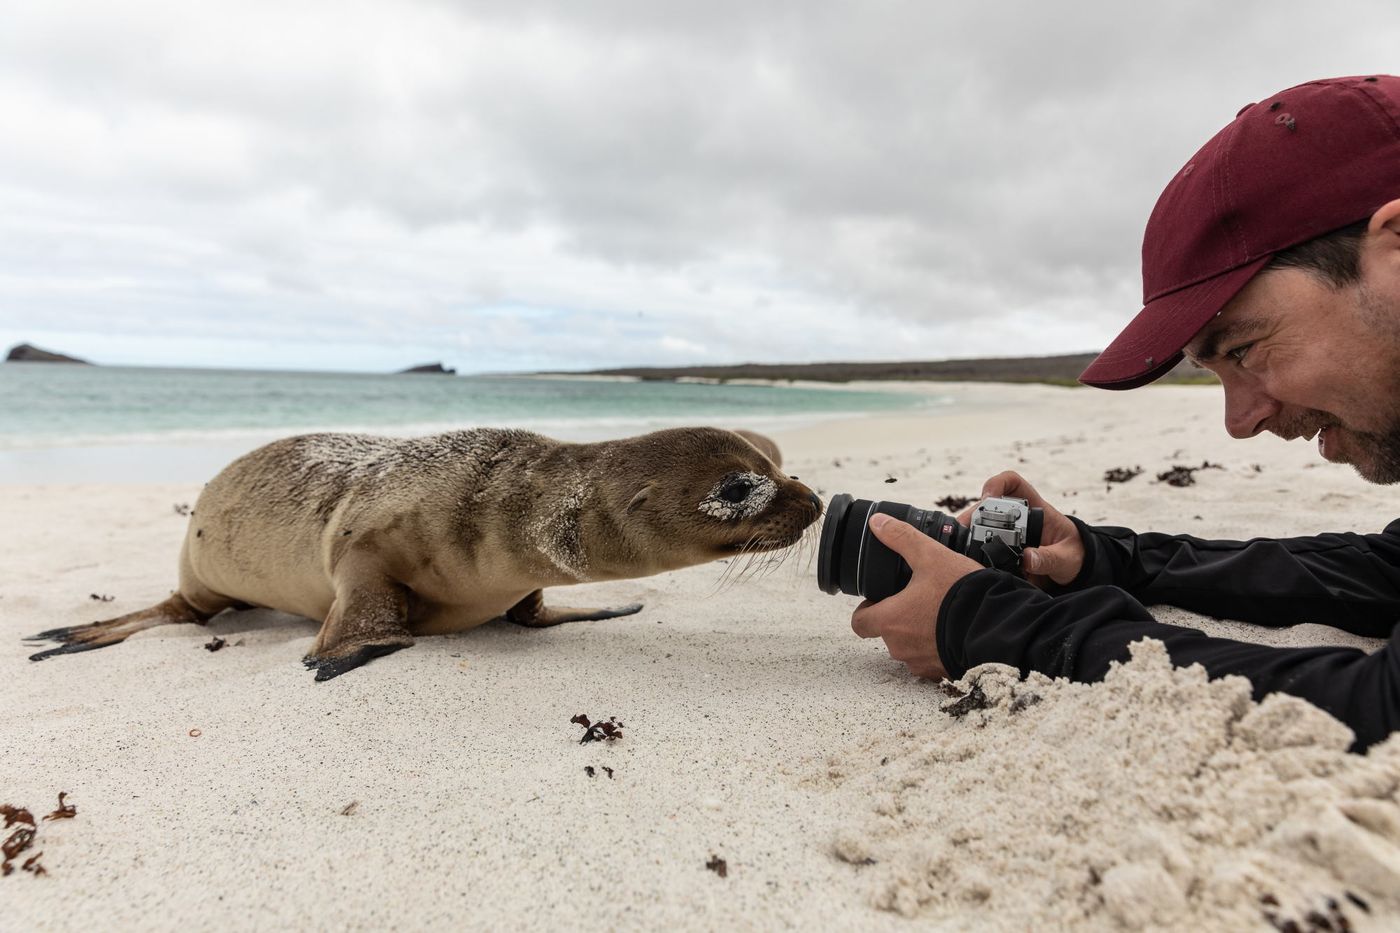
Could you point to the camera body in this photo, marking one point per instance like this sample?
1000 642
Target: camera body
851 560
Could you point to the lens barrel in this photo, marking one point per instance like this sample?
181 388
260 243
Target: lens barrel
851 560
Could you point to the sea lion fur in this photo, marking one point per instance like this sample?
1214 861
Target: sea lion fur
385 539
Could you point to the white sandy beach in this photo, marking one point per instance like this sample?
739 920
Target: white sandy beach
444 787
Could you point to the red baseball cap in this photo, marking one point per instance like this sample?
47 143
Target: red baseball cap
1302 163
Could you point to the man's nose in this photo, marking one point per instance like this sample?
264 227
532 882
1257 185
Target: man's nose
1247 409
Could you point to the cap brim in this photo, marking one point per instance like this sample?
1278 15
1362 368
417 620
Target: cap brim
1150 345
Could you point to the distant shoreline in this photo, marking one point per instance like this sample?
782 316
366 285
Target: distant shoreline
1051 370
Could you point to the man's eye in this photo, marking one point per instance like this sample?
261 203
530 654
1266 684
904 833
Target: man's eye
735 492
1238 353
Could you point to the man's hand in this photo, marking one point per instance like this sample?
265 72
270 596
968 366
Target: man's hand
1060 556
908 620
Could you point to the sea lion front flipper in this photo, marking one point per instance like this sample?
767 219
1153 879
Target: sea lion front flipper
368 620
531 612
75 638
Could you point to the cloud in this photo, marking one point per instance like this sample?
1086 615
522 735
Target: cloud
565 184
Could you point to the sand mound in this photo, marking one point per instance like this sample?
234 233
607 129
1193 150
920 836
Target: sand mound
1157 798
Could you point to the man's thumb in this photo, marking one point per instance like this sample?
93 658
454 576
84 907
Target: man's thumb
891 532
1036 562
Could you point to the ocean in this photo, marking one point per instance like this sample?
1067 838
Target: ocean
66 423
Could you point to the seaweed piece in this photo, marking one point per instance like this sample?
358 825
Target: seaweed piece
973 699
718 865
65 811
1178 476
1024 700
609 771
183 508
104 598
891 479
953 503
601 731
19 840
215 644
349 808
1120 474
15 815
588 770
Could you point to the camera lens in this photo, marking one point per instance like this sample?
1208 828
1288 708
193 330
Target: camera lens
851 560
834 573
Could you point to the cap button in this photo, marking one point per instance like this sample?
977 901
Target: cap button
1151 360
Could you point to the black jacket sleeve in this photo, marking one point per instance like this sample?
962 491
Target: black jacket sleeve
992 616
1350 581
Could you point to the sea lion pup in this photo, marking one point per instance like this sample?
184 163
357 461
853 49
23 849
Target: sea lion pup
386 538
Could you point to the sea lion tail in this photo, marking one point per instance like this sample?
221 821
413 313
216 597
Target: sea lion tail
75 638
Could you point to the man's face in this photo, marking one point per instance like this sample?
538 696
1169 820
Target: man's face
1300 358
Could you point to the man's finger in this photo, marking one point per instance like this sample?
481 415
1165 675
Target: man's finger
865 624
1012 484
1007 483
1051 561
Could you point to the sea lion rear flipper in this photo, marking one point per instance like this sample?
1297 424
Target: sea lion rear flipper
77 638
368 620
533 613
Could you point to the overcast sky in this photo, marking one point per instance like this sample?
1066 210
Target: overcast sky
515 185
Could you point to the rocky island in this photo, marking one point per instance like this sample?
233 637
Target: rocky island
435 369
28 353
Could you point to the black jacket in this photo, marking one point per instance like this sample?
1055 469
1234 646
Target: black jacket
1350 581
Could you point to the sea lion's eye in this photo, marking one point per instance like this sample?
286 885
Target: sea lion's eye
737 491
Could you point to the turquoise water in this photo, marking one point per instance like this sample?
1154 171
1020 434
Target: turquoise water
50 405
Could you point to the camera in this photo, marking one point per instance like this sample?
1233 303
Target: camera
851 560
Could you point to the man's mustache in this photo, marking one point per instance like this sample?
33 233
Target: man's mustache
1304 424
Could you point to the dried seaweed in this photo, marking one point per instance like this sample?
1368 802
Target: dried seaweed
1024 700
1315 920
215 644
1120 474
183 508
588 770
973 700
718 865
1180 475
65 811
954 503
103 598
602 731
19 840
349 808
15 815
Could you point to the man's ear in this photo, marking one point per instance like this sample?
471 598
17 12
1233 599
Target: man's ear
1382 244
639 499
1388 217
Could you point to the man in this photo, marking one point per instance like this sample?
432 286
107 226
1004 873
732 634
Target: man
1273 260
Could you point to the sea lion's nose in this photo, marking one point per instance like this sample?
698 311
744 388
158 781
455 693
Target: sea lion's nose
816 502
